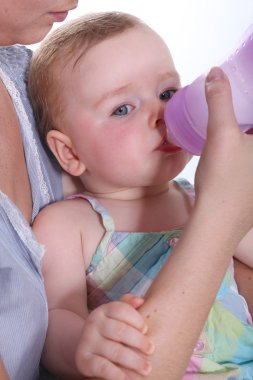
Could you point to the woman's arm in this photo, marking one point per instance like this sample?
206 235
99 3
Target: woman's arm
180 298
3 373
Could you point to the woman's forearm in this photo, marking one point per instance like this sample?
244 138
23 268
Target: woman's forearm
179 300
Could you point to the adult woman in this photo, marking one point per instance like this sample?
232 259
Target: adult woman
24 191
29 186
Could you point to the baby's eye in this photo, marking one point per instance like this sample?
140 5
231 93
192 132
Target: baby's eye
167 95
123 110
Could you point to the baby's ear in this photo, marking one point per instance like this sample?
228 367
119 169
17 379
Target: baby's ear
63 149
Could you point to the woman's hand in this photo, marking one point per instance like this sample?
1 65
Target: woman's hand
224 177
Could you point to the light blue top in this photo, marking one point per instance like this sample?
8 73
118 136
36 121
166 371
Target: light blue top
23 307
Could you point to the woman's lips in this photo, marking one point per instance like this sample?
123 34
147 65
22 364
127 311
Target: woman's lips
59 16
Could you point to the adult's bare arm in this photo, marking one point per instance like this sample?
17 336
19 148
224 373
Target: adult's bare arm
180 298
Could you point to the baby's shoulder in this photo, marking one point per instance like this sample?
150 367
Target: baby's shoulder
67 213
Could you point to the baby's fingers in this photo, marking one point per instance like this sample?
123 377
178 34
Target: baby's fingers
121 332
125 357
109 358
133 300
124 312
99 367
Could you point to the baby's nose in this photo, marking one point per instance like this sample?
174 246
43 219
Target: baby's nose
158 123
158 118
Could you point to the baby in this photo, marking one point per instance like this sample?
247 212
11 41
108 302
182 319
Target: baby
99 86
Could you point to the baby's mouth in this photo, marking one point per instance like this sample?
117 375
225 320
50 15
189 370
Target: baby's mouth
168 147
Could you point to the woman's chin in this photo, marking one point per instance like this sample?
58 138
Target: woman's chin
34 36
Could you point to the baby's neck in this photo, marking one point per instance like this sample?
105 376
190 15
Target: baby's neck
127 194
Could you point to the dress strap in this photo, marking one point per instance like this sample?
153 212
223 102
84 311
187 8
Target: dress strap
186 186
107 220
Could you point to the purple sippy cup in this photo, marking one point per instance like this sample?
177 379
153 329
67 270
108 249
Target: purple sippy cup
186 114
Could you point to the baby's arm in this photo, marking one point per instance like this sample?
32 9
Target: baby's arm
244 251
103 342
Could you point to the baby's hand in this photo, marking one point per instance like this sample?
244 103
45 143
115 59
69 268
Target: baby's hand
113 339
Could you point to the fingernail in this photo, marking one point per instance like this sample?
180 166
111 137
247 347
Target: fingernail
145 329
214 74
147 368
151 348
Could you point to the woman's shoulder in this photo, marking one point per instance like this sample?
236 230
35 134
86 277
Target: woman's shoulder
14 58
14 61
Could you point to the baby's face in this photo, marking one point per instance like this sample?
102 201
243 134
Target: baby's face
113 105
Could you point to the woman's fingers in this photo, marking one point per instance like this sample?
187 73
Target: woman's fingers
224 177
219 102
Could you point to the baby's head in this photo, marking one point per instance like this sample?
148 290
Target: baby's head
98 86
66 46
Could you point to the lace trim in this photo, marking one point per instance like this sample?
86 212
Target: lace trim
15 95
21 226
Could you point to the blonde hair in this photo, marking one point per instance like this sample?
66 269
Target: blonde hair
72 39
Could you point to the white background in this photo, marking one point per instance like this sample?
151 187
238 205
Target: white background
199 33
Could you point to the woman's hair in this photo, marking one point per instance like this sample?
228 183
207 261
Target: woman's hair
72 40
